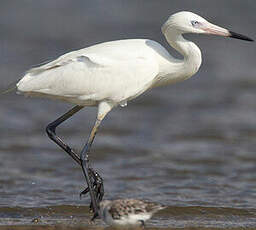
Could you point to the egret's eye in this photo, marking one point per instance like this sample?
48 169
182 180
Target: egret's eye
195 23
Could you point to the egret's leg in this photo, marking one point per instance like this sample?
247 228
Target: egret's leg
51 131
85 166
97 186
103 109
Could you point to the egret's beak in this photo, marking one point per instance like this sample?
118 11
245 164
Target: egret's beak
217 30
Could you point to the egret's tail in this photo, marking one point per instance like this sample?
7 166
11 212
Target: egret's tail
11 87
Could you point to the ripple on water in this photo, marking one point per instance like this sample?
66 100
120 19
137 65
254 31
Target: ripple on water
173 216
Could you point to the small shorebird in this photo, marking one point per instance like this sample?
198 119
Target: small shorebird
110 74
129 212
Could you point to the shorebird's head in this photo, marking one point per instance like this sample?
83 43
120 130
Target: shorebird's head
104 205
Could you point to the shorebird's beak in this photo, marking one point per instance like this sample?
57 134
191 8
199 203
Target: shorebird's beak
217 30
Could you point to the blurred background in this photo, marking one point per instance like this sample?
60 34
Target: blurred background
191 144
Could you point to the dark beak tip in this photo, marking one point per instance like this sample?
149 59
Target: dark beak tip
240 36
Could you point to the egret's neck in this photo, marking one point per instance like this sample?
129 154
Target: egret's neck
188 49
191 62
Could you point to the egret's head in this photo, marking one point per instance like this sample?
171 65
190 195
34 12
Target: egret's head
187 22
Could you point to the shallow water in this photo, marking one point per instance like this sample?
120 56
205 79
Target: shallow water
174 217
190 146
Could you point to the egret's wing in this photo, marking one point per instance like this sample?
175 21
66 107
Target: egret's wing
117 72
62 61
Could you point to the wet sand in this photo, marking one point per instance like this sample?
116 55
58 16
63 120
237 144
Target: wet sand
59 227
78 217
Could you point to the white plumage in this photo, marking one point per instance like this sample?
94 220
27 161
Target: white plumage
112 73
118 71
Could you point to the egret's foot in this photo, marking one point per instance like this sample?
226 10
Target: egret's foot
98 187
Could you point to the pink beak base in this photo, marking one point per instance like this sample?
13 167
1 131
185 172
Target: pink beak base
216 30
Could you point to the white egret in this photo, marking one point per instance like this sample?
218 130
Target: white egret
110 74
